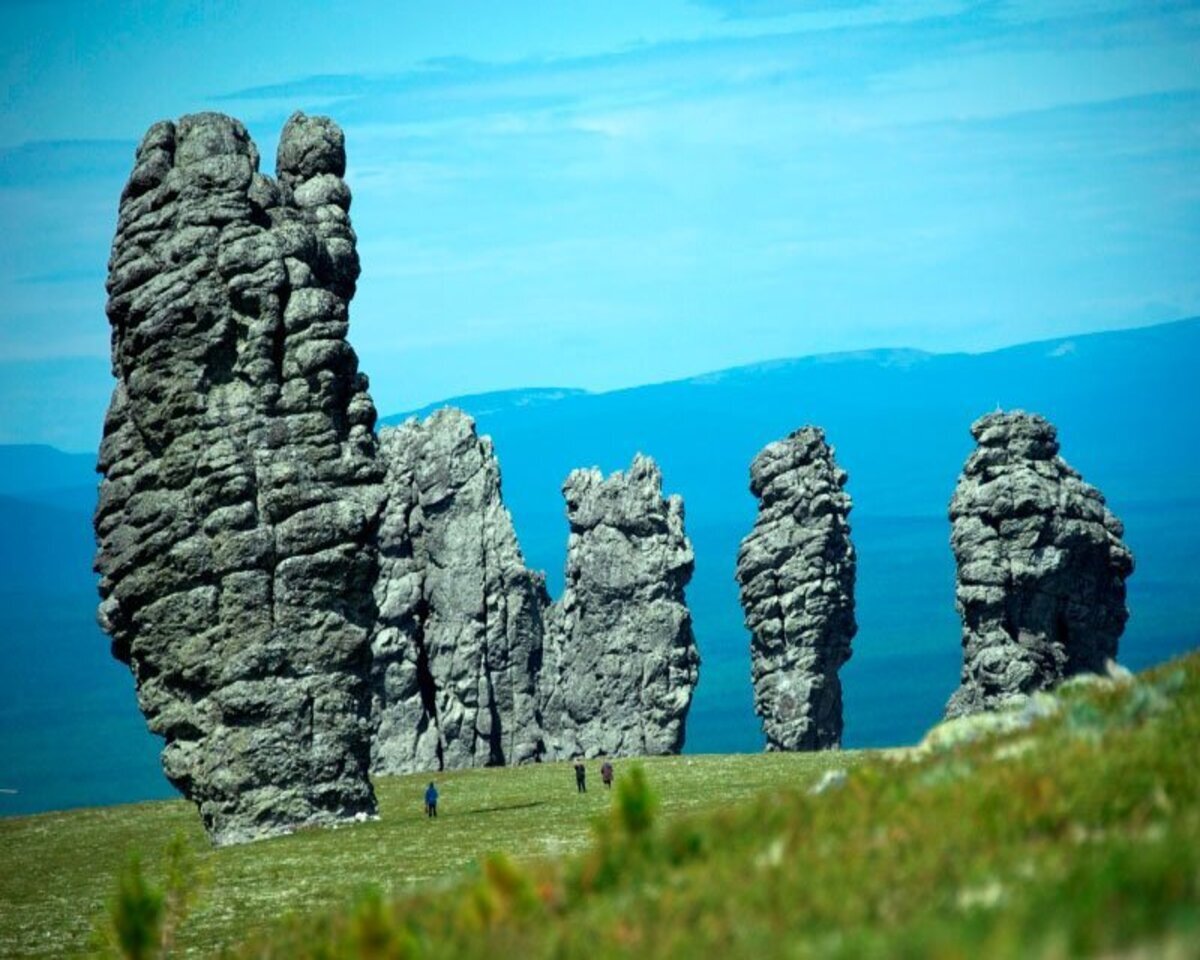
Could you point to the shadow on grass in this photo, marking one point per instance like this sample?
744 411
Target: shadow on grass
502 809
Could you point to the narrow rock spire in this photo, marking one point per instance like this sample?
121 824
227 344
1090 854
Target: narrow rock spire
458 649
796 570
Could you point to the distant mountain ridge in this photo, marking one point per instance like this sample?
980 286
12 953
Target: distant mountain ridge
492 402
871 403
482 404
34 468
1124 405
1128 418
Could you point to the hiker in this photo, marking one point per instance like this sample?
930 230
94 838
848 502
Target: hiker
606 774
431 801
580 777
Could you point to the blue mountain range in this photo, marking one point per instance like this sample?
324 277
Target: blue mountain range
1125 404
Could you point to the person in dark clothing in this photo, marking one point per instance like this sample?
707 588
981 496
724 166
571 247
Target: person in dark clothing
580 777
431 801
606 774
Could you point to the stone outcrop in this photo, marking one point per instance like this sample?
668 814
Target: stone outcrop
241 487
299 603
621 662
458 651
796 570
1041 566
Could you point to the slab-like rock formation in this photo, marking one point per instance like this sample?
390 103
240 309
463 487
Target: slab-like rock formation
796 571
1041 566
458 651
621 661
240 483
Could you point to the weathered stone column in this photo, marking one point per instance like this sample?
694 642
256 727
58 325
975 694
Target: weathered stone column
621 661
1041 566
796 570
241 488
458 651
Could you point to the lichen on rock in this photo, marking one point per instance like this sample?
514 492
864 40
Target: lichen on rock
621 661
1041 566
240 486
458 649
796 570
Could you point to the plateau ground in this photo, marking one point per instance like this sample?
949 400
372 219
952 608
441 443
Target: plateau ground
1072 829
60 868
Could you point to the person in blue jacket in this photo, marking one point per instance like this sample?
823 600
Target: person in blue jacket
431 801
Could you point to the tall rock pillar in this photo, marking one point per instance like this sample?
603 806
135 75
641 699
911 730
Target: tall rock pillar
458 650
796 570
621 661
240 485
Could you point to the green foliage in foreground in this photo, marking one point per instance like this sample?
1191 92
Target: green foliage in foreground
59 871
1078 836
143 919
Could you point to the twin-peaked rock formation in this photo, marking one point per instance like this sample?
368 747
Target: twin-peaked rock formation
796 569
621 662
1041 566
301 604
241 486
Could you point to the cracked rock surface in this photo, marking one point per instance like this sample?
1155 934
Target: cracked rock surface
458 651
240 488
796 570
621 661
1041 566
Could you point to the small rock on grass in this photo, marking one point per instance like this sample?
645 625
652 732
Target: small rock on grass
830 780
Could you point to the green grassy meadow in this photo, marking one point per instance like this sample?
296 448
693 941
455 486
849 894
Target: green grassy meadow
1072 833
59 869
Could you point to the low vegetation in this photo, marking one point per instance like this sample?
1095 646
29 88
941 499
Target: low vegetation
1075 832
60 870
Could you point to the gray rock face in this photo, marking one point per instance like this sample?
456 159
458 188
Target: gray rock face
458 651
796 571
621 661
1041 566
241 489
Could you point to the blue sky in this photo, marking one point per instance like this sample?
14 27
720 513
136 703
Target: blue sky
600 194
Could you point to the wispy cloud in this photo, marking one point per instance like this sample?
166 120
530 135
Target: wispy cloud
878 70
822 14
760 179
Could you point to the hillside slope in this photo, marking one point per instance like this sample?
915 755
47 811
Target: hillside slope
1074 832
1068 828
61 868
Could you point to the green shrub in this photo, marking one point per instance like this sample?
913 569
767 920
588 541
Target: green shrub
144 918
136 913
